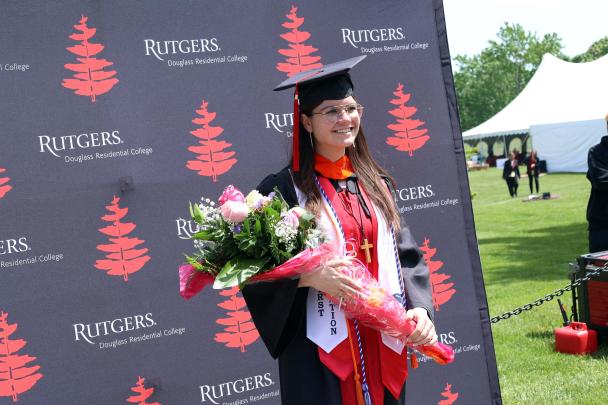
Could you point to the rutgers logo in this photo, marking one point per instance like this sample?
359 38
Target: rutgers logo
280 122
215 394
8 246
55 144
354 37
90 331
186 46
90 79
186 228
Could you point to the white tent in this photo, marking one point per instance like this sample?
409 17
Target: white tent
562 108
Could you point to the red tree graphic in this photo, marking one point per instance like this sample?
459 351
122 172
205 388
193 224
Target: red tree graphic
450 397
90 79
122 259
15 377
442 291
240 330
409 134
299 58
4 187
212 160
142 392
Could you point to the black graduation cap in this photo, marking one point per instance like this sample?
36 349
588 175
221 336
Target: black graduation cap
330 82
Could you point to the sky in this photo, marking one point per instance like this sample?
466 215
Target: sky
472 23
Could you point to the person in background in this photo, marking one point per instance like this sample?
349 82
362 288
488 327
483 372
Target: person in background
533 171
491 160
517 154
597 208
510 173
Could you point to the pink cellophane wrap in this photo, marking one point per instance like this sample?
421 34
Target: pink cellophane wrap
373 307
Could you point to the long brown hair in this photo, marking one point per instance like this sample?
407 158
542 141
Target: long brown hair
368 171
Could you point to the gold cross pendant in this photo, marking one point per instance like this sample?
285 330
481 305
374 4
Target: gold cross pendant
367 246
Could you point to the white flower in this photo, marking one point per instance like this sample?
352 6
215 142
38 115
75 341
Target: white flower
286 234
253 199
314 238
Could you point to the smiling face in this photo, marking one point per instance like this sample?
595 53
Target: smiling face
334 125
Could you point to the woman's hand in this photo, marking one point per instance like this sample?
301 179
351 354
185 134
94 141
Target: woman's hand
424 334
330 280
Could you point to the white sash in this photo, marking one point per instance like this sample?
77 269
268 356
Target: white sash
325 323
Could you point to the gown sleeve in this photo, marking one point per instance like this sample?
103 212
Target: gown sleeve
414 271
277 308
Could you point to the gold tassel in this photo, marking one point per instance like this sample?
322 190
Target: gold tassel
358 387
359 390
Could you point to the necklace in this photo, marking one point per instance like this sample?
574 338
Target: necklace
353 188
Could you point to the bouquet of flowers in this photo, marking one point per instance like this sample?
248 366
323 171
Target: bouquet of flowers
246 236
259 238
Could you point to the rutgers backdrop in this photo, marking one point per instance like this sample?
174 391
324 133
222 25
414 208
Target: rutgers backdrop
116 114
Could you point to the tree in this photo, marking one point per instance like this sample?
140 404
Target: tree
90 78
449 396
16 374
487 82
410 133
142 393
122 258
239 329
441 287
300 56
597 49
213 159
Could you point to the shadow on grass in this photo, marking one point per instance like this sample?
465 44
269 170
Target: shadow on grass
602 352
540 254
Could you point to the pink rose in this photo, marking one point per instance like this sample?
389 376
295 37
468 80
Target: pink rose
291 219
298 211
192 281
234 211
231 194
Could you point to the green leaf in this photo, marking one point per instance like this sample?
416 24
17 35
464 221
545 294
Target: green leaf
194 263
196 213
257 227
204 235
238 270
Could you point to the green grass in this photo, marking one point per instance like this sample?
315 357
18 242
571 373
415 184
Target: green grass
525 249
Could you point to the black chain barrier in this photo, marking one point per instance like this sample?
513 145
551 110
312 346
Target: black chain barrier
594 271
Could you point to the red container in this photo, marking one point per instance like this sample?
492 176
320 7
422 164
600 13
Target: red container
575 339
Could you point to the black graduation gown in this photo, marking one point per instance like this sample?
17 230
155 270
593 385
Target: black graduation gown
597 174
279 313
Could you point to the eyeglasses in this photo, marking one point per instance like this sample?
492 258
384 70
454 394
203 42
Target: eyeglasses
332 114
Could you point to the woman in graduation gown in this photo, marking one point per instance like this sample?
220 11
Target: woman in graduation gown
324 358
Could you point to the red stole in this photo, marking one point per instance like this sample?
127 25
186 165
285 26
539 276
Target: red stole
383 367
340 169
